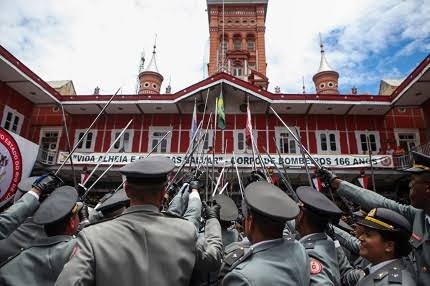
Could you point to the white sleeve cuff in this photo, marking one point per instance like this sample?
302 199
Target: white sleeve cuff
194 195
33 194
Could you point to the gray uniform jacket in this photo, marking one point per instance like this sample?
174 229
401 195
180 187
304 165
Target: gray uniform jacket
275 262
229 236
13 217
40 264
394 273
324 265
420 238
22 237
139 247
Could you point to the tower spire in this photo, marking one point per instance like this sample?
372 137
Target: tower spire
324 66
326 79
152 66
150 79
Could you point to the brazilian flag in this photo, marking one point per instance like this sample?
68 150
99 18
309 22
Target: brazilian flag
220 111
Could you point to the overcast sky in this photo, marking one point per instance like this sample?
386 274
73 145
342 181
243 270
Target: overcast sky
99 42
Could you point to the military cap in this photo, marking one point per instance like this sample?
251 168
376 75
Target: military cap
270 201
359 215
61 202
114 201
421 163
345 226
318 203
386 220
150 170
23 187
228 211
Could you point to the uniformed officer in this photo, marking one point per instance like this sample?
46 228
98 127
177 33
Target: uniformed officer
271 259
384 241
43 260
316 212
141 246
13 217
228 214
418 214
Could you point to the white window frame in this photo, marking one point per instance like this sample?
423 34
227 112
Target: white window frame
250 47
398 131
49 155
358 134
44 130
93 140
327 133
120 143
168 138
235 42
15 115
238 71
208 140
278 131
246 149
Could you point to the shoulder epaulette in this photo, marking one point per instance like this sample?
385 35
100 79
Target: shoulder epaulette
234 256
395 276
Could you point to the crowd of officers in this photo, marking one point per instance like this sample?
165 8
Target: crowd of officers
147 235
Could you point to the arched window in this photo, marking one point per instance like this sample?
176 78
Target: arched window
223 45
250 44
237 43
238 70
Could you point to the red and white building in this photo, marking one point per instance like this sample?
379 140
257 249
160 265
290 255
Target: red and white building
338 129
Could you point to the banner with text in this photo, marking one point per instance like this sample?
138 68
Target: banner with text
242 160
17 158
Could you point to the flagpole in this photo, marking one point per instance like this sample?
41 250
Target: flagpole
249 122
305 161
371 163
214 139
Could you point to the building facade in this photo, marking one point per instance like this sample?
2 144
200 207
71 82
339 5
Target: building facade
337 129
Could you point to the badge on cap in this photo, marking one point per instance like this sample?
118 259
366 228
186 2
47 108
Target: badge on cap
316 266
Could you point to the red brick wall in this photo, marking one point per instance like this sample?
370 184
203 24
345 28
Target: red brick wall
16 101
181 124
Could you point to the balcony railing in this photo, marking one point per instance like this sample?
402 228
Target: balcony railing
405 161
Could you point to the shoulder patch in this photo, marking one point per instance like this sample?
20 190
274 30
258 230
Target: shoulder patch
234 256
309 244
380 275
395 276
75 250
316 266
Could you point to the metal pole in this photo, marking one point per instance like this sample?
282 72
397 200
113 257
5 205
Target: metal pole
281 160
318 165
371 163
286 182
86 132
269 180
107 152
305 161
238 176
69 146
190 154
218 181
158 144
96 181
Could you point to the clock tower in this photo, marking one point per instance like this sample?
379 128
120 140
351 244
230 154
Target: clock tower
237 39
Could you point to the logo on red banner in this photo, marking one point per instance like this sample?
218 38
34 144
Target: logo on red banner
10 165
